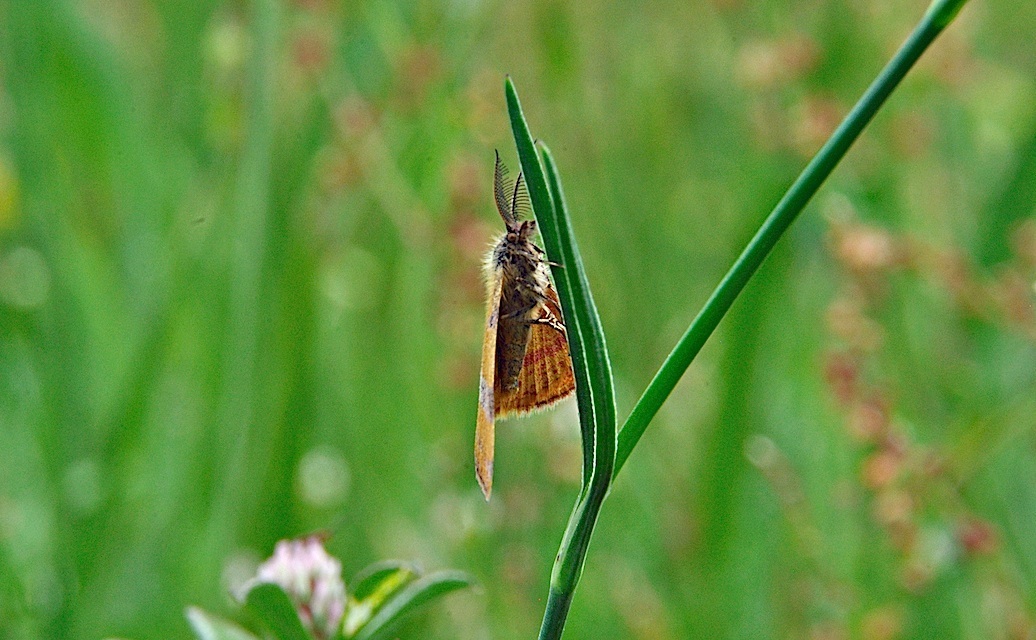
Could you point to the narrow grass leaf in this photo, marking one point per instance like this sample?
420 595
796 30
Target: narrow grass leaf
368 580
784 213
576 542
410 598
594 385
598 363
546 218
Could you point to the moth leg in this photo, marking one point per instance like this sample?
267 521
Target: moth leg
553 323
550 320
543 253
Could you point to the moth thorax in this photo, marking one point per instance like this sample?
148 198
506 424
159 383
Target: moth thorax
526 266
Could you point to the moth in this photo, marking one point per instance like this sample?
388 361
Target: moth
525 360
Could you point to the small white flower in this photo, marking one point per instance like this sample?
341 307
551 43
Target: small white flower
313 581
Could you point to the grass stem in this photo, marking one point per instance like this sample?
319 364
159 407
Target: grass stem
938 16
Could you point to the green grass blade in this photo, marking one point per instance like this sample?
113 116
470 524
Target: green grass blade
599 364
410 598
369 579
576 542
590 359
543 208
809 181
377 584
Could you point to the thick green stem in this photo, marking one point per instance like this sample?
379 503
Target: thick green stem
938 16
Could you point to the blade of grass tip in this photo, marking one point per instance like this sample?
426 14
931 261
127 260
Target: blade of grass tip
543 208
938 16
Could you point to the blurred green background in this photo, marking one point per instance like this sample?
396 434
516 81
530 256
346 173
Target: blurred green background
240 300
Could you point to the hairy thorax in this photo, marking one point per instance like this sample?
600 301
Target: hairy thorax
521 265
524 274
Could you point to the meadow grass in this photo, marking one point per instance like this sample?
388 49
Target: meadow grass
239 301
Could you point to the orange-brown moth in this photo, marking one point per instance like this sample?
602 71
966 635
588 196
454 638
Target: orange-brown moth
525 360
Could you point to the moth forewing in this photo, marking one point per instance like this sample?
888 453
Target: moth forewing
485 423
546 375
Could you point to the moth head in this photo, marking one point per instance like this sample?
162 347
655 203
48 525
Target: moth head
526 228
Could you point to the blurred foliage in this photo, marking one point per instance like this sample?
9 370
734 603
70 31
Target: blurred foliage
240 300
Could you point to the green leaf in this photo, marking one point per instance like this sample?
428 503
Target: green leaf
369 579
374 586
414 595
546 218
274 608
595 391
598 363
209 627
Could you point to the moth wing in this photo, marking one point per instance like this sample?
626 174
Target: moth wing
485 423
546 376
